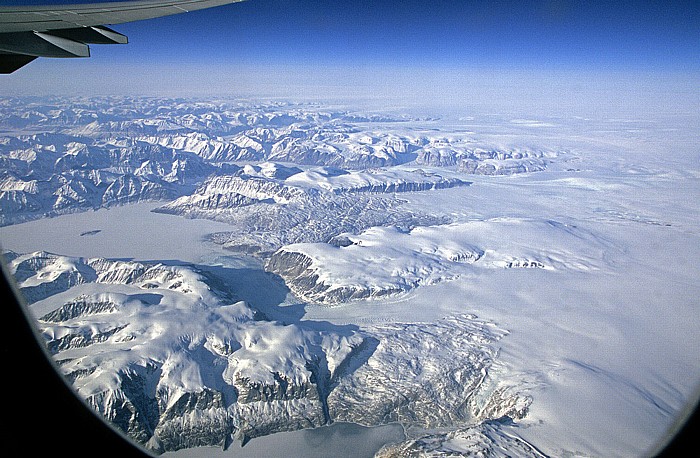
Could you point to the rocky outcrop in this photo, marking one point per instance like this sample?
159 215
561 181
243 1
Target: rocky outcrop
218 195
196 419
419 185
131 189
79 340
506 167
282 389
489 439
41 275
305 281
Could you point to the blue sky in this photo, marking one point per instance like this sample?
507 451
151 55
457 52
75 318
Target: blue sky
637 34
320 40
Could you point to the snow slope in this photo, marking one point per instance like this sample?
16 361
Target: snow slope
395 261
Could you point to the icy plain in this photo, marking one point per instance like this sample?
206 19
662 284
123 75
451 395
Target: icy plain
493 283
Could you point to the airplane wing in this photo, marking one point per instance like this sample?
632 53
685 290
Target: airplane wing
28 32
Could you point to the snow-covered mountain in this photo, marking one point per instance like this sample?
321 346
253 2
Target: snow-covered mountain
266 213
395 261
47 175
168 356
63 155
